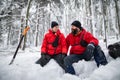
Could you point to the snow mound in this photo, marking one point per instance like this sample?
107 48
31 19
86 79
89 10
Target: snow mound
24 68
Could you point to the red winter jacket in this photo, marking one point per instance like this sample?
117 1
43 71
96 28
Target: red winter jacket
71 40
49 39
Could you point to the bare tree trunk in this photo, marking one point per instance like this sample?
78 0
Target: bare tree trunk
67 17
117 17
43 21
93 17
104 18
89 15
9 34
50 15
37 25
27 14
22 20
36 44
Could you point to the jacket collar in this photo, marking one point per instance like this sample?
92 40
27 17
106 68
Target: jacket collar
57 33
81 32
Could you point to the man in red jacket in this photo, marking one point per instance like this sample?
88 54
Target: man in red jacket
83 46
53 46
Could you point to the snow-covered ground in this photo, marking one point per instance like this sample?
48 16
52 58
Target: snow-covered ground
24 68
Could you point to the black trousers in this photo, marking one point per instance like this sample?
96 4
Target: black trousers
98 56
46 58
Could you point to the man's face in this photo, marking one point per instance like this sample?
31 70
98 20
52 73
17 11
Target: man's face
55 28
74 29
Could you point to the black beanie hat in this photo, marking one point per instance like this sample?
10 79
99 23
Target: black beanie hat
53 24
77 24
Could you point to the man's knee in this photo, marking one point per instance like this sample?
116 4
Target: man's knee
67 60
98 48
88 56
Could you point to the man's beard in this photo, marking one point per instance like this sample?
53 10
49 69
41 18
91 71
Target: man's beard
74 31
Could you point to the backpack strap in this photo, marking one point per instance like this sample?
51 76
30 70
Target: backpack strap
55 42
83 43
81 36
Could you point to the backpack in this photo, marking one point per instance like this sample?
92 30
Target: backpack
114 50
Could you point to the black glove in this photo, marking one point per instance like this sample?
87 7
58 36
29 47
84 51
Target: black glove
89 52
45 56
90 48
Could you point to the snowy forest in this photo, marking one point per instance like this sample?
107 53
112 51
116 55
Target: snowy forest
99 17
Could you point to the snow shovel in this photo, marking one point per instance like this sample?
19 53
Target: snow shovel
21 39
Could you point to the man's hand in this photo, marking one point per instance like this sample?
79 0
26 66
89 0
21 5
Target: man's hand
90 48
89 51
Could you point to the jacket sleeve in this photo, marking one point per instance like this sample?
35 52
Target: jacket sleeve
91 39
44 45
67 42
63 43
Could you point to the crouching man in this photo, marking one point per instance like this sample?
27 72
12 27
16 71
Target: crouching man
53 46
83 46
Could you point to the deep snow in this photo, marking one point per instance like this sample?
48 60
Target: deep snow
24 68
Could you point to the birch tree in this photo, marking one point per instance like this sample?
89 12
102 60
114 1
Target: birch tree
27 15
